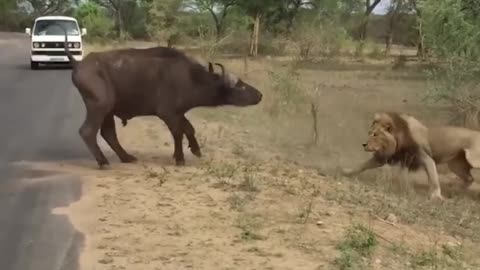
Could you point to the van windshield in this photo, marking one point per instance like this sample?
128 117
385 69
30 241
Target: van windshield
50 28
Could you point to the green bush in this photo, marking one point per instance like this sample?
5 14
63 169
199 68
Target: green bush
452 34
94 18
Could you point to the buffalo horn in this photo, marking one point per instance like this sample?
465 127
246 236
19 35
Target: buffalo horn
222 67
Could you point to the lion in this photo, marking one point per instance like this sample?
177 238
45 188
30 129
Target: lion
401 139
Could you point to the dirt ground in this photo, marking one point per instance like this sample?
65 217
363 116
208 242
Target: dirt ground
264 196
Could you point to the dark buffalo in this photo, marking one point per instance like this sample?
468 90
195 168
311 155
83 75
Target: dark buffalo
157 81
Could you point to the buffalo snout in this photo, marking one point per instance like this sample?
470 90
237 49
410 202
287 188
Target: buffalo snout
243 95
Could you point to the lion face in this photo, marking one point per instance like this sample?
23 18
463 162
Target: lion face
380 142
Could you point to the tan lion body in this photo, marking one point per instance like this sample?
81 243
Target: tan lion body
402 139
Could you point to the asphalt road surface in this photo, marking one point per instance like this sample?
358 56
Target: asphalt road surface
40 113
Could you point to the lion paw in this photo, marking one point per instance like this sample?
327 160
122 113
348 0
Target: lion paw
436 195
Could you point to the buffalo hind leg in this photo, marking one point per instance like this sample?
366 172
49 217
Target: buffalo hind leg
461 168
109 134
175 125
189 131
88 131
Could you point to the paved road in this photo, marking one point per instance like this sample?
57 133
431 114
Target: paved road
40 113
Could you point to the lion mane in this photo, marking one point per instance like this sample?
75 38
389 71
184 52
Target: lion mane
401 139
393 133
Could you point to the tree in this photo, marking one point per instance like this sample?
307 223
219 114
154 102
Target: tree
117 8
396 6
223 7
94 18
452 34
287 10
369 7
163 20
256 10
7 7
48 7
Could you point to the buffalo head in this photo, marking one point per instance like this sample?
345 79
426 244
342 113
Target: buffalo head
234 91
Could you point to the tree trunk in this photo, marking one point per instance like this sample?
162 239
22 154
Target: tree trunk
368 11
420 42
218 25
255 36
119 23
391 26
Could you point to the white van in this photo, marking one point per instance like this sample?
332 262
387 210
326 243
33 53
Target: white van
48 40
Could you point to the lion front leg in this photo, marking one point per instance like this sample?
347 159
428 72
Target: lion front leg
461 168
367 165
431 170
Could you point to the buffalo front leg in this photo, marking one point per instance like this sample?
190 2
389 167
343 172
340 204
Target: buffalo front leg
88 131
431 170
189 131
367 165
174 124
109 134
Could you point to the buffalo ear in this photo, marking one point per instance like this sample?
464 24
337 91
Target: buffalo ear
210 67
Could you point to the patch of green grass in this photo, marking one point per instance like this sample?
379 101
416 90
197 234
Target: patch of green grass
409 204
238 201
358 244
424 259
445 257
153 174
239 150
249 182
249 224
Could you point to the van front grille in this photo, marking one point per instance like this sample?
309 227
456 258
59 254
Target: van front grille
55 53
53 45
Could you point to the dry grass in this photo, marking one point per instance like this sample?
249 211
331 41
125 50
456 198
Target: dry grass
264 196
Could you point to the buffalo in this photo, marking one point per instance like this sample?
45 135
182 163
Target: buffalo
158 81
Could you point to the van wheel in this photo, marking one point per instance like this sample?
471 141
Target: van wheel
33 65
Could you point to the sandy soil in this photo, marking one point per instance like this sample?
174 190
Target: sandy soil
261 197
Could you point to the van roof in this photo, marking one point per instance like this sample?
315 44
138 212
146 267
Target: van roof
56 18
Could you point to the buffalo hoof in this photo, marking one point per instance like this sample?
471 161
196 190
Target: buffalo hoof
196 152
180 162
128 159
104 165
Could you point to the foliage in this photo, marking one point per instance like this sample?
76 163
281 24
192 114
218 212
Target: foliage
7 8
318 34
93 17
451 30
218 9
164 19
51 7
452 33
